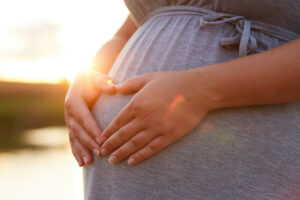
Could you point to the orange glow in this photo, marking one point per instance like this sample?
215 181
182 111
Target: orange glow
109 81
175 103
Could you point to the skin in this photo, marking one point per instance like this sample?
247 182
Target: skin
83 129
83 92
154 119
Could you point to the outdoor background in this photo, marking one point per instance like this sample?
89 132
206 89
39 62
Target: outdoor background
43 44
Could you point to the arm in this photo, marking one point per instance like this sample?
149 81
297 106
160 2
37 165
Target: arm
271 77
84 91
108 53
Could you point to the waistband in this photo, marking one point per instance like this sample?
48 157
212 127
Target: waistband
247 42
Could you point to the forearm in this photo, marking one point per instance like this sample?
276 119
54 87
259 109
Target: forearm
270 77
107 54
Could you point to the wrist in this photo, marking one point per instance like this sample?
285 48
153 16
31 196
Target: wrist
205 87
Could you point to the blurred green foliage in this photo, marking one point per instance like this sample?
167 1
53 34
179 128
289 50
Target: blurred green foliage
28 106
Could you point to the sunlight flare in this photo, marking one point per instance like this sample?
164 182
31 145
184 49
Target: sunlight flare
175 103
48 46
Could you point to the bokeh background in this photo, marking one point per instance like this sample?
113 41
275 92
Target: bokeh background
43 44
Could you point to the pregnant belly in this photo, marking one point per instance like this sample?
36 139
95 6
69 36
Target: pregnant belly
241 152
231 150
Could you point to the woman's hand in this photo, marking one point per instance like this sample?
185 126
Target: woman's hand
83 129
165 108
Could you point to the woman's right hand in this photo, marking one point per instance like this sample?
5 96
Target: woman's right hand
83 129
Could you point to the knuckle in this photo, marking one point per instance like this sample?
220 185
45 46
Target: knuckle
157 146
118 122
163 129
82 139
86 124
89 143
106 133
135 143
136 106
68 104
160 124
120 153
71 123
121 133
73 127
72 138
84 142
138 157
108 144
153 147
79 119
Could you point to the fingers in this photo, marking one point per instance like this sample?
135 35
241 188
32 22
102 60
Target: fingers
150 149
134 84
79 110
133 145
79 133
120 120
81 153
120 137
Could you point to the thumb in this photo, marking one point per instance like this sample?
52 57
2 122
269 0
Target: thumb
133 84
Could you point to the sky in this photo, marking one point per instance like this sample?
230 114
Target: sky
52 40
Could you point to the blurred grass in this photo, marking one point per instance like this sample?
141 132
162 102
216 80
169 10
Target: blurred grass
27 106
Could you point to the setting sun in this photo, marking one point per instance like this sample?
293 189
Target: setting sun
53 40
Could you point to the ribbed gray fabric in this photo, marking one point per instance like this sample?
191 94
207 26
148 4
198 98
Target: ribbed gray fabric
242 153
276 12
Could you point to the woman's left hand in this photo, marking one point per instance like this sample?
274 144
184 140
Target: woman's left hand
167 106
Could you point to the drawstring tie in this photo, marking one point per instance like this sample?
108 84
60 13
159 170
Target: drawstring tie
247 42
244 27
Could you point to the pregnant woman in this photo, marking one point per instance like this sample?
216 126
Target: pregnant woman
204 105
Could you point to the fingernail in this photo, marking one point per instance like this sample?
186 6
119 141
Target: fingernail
112 159
131 161
85 160
103 152
97 152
